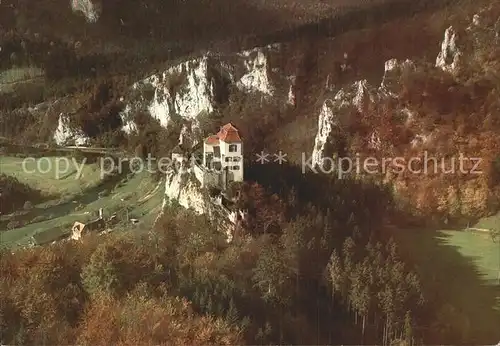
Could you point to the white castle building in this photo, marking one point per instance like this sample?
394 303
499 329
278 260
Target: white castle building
223 153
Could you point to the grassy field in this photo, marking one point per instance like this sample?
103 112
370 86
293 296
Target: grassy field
459 270
11 78
140 195
478 247
15 75
77 198
43 175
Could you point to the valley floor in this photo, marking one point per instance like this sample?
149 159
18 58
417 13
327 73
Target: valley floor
78 199
460 269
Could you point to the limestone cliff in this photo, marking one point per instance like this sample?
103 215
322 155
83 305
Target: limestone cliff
389 110
201 85
182 187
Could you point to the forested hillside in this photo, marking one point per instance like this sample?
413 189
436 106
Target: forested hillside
182 283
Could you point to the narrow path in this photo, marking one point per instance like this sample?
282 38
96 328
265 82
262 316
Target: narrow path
150 194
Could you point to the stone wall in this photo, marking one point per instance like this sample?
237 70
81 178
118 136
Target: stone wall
206 177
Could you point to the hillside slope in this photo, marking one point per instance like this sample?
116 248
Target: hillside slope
125 20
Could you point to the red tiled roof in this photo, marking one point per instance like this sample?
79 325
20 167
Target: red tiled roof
231 137
229 126
229 134
212 140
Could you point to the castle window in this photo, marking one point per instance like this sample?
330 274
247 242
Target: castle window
236 168
233 148
236 159
228 159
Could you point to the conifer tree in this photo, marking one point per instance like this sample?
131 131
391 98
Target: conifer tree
408 329
232 313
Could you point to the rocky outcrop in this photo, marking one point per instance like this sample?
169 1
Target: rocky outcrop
450 55
257 76
128 124
292 95
90 9
65 134
190 90
335 113
182 186
358 98
433 194
360 95
328 121
201 85
394 70
187 90
467 48
188 137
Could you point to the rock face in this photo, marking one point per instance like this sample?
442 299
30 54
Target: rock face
188 136
335 113
65 134
200 86
393 71
190 90
358 96
328 121
433 193
460 50
187 89
450 54
292 97
90 9
257 76
181 186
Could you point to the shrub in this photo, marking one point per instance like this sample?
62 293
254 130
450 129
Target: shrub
14 194
79 207
39 218
103 193
14 224
213 191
